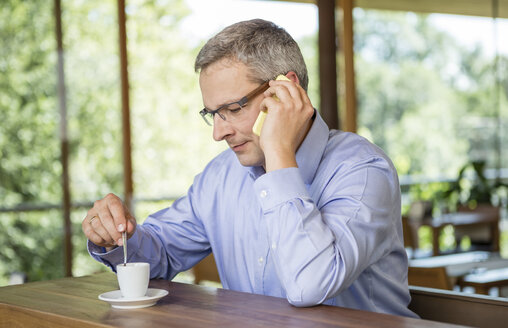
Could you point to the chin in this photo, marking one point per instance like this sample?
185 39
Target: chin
246 161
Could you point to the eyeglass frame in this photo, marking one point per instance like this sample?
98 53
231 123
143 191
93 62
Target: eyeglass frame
242 102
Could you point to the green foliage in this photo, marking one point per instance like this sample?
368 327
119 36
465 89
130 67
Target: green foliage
93 97
446 239
31 242
473 188
426 100
30 169
29 166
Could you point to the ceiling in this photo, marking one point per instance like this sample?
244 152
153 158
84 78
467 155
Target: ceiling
458 7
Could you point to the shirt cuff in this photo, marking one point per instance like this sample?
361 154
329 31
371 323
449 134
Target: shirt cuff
280 186
114 256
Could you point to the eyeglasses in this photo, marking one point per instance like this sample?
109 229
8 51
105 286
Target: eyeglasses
232 112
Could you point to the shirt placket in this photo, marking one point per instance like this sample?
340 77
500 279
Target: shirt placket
261 256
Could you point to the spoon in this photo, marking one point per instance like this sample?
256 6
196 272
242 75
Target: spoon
124 241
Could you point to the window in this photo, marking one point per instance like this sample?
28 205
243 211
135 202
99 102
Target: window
427 90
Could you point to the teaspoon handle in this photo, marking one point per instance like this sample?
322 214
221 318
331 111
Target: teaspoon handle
124 241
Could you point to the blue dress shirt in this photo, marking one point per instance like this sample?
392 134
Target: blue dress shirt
326 232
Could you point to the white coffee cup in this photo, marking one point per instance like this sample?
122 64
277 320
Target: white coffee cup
133 279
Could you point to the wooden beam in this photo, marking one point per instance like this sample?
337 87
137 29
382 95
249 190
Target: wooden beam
350 114
328 63
126 122
455 7
64 143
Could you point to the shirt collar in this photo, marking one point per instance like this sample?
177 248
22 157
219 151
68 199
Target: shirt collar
308 155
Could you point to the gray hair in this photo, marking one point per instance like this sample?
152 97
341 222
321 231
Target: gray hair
265 48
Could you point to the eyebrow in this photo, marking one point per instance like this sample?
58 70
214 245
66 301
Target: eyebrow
257 90
223 104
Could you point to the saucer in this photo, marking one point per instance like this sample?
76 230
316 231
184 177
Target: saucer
117 301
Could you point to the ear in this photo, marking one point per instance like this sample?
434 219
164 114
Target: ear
293 77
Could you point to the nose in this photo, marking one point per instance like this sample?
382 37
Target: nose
221 128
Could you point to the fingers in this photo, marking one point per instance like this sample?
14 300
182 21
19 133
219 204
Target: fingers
291 103
305 97
294 109
111 214
285 90
102 228
291 97
105 222
117 212
93 230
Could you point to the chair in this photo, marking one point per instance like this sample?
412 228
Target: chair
410 235
482 237
429 277
411 243
420 210
206 270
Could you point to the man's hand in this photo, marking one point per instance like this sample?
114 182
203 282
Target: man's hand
106 220
286 124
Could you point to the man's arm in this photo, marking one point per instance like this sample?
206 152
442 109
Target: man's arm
171 240
320 251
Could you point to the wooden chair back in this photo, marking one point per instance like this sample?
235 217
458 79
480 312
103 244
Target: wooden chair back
410 236
429 277
482 237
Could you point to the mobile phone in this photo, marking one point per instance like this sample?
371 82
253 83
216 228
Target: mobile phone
262 114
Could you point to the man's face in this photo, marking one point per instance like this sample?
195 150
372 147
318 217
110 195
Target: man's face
225 82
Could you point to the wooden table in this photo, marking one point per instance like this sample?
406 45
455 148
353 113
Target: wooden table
72 302
461 219
460 264
483 281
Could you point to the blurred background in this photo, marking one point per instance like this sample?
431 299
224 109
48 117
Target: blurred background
431 90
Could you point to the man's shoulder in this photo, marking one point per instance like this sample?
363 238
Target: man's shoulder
353 148
340 141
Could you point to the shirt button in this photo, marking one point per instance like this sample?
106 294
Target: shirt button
260 260
263 193
274 246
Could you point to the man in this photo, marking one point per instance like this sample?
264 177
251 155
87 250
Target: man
300 212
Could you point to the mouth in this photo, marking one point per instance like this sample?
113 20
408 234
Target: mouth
238 147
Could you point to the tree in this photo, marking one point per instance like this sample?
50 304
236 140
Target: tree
29 146
418 92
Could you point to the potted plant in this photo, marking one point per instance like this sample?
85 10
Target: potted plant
473 192
472 188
